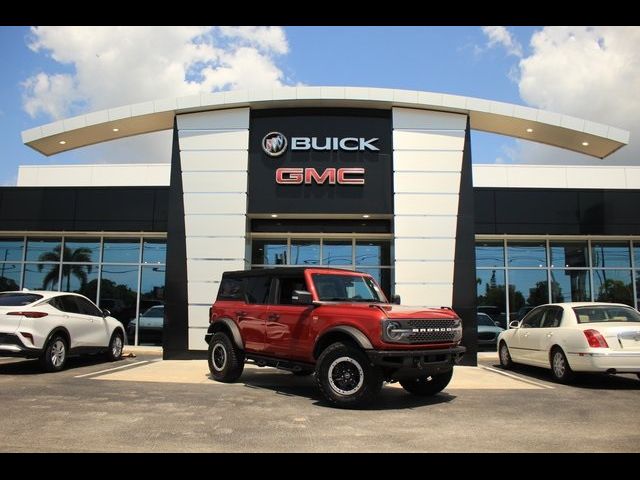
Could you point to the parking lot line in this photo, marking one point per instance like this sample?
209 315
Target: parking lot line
112 369
510 375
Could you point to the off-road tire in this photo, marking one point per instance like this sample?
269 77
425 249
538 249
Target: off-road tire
346 377
226 361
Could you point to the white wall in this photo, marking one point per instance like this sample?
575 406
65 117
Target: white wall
110 175
427 163
214 154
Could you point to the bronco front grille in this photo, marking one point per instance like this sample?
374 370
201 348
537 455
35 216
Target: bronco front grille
436 330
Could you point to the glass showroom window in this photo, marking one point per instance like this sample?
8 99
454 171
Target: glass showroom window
124 275
362 254
539 271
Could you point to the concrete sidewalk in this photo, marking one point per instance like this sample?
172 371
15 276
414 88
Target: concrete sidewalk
197 372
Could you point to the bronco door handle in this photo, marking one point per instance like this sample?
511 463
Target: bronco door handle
273 317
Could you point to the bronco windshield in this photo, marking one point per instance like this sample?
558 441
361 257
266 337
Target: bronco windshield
347 288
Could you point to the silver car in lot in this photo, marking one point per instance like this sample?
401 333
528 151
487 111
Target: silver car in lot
488 331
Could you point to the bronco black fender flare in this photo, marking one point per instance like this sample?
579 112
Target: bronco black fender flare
223 324
336 333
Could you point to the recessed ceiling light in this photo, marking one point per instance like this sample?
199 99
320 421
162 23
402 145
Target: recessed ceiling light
62 142
273 215
529 130
585 144
116 129
365 216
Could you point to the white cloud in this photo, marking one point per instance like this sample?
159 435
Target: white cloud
587 72
120 65
500 36
104 67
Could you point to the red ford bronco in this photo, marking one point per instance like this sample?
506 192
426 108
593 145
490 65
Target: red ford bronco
335 324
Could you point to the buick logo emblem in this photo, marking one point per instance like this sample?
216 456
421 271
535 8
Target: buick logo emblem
274 144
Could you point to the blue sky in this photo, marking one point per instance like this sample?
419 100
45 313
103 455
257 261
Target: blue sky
56 72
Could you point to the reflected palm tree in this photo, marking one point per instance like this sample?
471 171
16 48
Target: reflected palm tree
81 254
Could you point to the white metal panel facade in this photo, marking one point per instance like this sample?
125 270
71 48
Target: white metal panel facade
214 158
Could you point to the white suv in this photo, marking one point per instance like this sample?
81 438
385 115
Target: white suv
53 325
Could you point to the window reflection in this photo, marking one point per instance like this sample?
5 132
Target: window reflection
490 291
82 279
527 254
490 254
41 276
337 252
151 321
121 250
610 254
374 252
305 252
154 251
569 254
11 249
613 286
81 250
118 291
269 252
527 288
43 249
10 276
570 286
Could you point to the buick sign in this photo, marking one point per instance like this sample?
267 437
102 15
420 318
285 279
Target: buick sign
274 144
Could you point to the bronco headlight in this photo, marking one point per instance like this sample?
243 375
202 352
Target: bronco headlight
457 331
393 331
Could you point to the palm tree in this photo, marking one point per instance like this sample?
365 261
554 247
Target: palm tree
81 254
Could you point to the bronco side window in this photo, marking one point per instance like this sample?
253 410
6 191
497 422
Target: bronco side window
287 286
230 289
257 289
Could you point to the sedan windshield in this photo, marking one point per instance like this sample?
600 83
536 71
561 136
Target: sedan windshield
349 288
17 299
485 320
604 313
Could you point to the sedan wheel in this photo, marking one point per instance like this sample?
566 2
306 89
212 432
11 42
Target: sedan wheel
560 368
505 356
54 356
114 350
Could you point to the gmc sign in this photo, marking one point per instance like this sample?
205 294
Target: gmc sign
332 176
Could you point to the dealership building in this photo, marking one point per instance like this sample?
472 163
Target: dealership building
376 180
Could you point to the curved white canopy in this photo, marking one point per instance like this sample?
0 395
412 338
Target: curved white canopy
541 126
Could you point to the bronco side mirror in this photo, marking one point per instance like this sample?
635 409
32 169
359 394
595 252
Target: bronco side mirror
514 324
395 299
105 312
301 297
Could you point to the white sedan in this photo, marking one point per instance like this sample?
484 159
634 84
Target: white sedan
53 325
575 337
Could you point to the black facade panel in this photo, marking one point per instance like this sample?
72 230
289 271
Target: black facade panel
321 226
268 196
116 209
176 326
537 211
464 272
484 202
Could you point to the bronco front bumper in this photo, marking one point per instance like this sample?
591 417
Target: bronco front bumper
420 362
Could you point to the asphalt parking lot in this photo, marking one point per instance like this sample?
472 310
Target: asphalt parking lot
144 404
